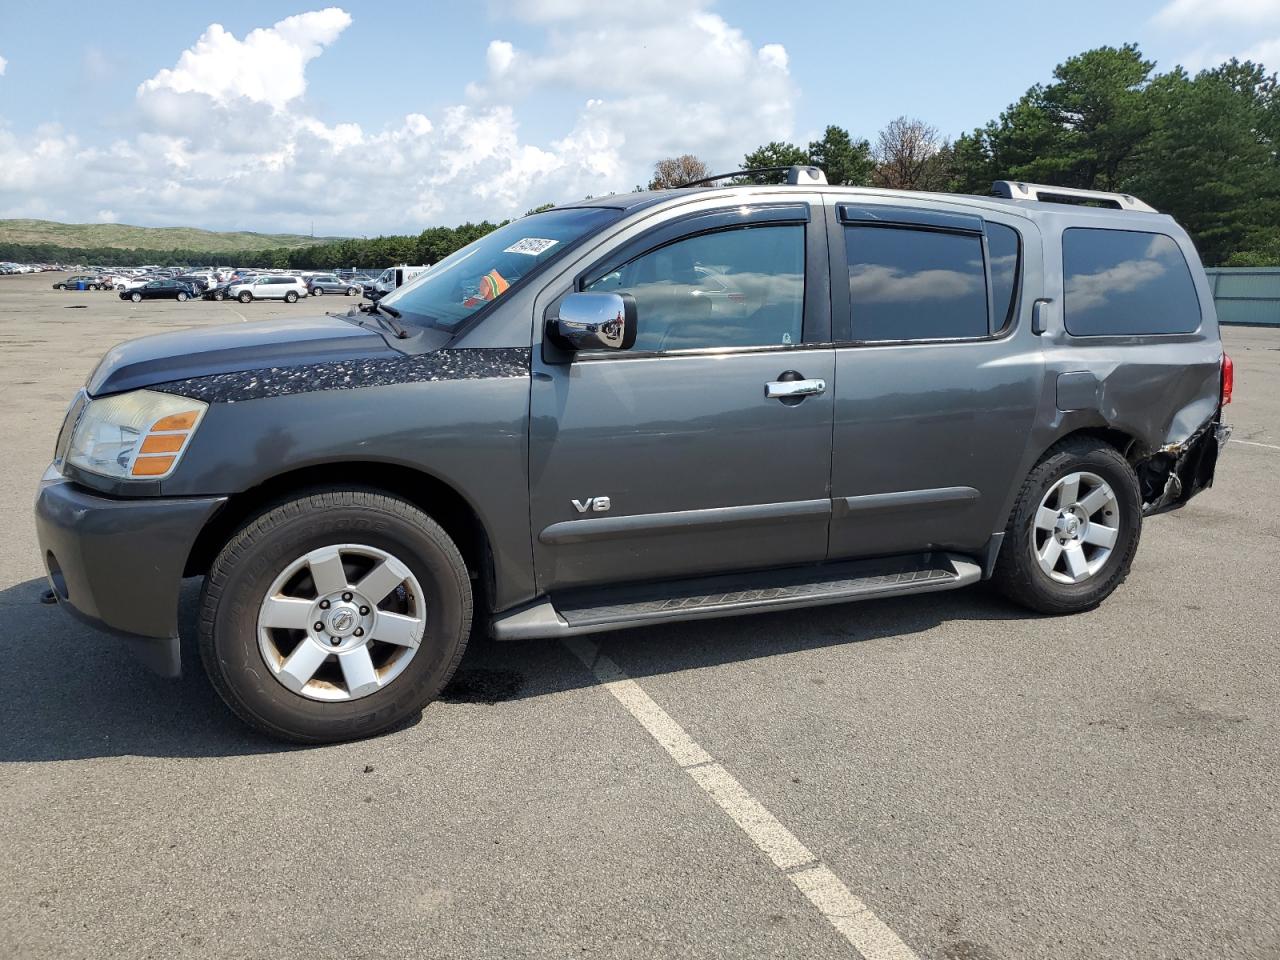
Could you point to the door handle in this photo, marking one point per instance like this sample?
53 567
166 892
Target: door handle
789 389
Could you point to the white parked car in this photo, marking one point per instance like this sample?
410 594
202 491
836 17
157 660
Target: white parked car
289 289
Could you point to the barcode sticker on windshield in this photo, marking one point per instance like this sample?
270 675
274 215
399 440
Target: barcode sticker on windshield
531 245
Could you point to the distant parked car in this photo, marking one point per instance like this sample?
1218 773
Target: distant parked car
160 290
289 289
199 282
220 292
72 283
322 283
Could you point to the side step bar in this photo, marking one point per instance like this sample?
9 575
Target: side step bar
577 612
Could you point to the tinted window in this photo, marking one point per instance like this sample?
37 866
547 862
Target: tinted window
734 288
915 284
1003 250
1124 282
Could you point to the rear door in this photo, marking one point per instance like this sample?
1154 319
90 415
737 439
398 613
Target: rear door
938 374
671 459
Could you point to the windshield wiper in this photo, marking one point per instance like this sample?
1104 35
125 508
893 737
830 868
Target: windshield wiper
387 317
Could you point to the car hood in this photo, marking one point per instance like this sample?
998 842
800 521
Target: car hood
231 348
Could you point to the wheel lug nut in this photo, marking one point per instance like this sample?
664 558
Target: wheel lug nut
359 631
346 597
319 627
324 604
364 611
335 641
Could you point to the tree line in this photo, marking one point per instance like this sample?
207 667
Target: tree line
1203 148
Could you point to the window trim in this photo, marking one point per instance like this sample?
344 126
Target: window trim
815 331
1130 337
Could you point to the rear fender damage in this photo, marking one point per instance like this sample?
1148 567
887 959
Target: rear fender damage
1177 472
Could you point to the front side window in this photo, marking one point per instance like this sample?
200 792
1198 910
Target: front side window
1126 282
447 295
733 288
907 284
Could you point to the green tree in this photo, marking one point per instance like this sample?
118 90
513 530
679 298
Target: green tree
1082 130
844 160
772 154
1209 159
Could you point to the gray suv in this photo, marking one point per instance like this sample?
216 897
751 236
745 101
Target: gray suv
641 409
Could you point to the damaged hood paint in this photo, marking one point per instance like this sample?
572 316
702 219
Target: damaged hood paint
232 348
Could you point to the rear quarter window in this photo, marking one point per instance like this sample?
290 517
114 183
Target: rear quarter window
1125 282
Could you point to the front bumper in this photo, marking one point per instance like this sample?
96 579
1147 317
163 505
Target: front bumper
117 564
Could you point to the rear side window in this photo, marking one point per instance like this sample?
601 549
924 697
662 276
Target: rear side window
1003 249
1125 282
915 284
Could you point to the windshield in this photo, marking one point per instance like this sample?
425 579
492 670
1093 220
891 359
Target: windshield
459 286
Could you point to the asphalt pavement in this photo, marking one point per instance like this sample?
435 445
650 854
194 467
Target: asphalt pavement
971 781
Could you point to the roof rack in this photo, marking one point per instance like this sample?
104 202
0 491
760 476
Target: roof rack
1015 190
797 175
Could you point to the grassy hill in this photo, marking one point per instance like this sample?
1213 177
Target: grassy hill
122 236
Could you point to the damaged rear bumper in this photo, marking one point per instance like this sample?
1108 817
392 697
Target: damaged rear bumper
1178 471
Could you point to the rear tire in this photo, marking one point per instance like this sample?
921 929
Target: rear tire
219 297
317 291
244 296
258 679
290 297
352 291
1074 529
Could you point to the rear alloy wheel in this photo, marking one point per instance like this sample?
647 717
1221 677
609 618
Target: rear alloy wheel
244 296
352 291
121 288
1074 530
334 616
290 297
317 291
219 296
135 297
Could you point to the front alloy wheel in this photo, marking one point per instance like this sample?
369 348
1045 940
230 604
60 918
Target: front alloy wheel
334 615
326 638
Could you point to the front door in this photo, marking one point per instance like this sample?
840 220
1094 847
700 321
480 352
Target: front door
677 457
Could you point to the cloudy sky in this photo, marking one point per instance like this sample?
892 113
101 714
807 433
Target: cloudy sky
392 116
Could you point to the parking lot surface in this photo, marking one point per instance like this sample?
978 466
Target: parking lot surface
983 783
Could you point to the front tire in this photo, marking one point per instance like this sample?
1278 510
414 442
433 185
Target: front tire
244 296
285 598
135 297
181 297
1074 530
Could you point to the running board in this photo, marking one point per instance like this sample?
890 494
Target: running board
576 612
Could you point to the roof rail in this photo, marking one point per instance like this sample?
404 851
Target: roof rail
1015 190
797 174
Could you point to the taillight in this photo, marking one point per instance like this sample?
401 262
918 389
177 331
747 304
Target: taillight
1228 379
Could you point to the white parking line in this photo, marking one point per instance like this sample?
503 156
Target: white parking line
855 921
1255 443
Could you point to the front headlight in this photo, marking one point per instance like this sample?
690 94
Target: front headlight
139 435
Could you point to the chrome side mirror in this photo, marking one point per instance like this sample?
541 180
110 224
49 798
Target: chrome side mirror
591 321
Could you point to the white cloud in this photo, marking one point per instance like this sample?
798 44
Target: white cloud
1192 13
267 66
208 154
3 64
108 216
